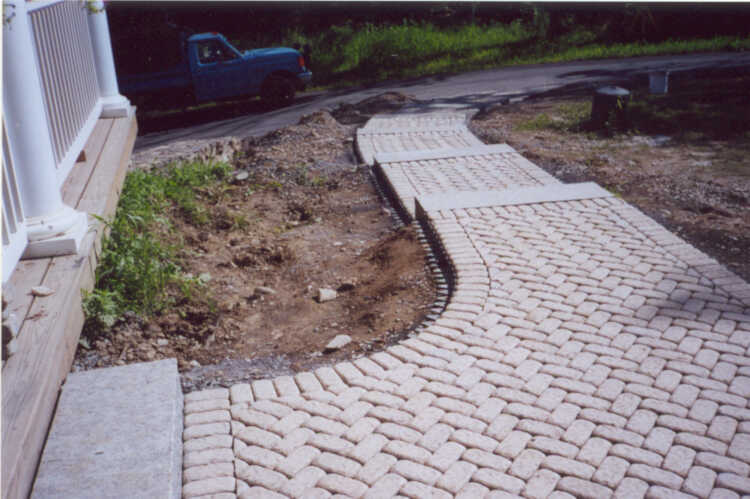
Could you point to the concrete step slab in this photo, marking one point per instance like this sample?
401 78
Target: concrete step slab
117 433
515 196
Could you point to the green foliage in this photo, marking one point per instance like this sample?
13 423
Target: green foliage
347 54
404 49
137 267
566 117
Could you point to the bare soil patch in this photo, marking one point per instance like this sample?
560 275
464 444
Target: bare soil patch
685 161
300 214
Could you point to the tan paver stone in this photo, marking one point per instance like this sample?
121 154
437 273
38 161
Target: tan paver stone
740 484
583 488
316 493
722 428
259 475
210 442
342 485
436 436
206 405
719 493
740 447
418 490
631 488
593 451
513 444
387 486
456 476
565 466
415 471
210 394
579 431
207 471
241 393
700 481
721 463
679 460
208 486
497 480
549 445
376 467
210 456
198 418
541 484
655 475
446 455
558 494
659 492
303 480
678 424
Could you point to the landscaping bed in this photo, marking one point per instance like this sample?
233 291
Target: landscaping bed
295 212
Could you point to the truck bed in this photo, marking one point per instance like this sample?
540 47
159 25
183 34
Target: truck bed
146 83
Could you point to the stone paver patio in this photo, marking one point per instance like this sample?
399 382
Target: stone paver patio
585 351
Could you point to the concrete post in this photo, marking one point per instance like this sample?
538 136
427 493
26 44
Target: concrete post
52 227
114 105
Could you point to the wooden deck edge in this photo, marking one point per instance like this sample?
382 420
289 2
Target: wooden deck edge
31 378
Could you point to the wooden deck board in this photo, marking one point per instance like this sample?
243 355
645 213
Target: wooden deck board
32 377
75 185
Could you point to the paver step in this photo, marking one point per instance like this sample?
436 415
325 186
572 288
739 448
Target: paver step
441 173
117 433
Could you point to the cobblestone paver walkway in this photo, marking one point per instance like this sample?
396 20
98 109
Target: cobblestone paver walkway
585 352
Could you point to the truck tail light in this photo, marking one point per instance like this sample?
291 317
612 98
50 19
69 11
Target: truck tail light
301 61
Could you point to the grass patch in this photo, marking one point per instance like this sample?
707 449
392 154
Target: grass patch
564 117
139 270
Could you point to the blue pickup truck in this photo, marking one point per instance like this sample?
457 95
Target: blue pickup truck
212 69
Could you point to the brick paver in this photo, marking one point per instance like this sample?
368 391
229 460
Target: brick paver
585 351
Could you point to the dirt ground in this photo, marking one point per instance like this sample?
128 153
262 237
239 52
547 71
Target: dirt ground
300 215
699 188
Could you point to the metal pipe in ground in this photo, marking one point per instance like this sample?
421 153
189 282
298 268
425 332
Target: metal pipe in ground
609 106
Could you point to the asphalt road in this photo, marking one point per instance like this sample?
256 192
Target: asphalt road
470 90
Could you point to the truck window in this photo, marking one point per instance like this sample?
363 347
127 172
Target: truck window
211 51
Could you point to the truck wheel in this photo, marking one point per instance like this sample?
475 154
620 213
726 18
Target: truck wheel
277 91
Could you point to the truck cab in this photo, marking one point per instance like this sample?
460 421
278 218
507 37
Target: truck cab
211 68
219 70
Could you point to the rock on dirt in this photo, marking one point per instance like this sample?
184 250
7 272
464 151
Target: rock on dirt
326 294
338 342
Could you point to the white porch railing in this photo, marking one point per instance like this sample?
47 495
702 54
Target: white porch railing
65 60
58 79
14 230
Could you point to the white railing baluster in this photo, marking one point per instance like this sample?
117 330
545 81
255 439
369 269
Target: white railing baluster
66 65
14 230
59 80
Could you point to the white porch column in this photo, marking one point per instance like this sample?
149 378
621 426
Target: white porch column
114 105
52 227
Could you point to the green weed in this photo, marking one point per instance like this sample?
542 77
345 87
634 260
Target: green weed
138 267
565 117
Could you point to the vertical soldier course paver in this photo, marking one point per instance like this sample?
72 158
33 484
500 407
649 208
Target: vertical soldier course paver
585 351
